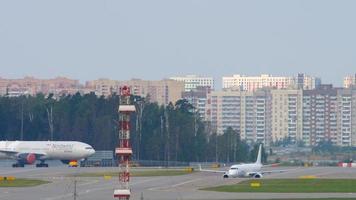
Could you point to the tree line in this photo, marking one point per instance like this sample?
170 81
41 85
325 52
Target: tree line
166 133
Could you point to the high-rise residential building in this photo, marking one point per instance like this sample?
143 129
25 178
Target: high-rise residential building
286 112
320 115
162 92
32 86
263 116
349 81
306 82
103 87
347 116
244 111
193 81
270 115
353 116
198 98
252 83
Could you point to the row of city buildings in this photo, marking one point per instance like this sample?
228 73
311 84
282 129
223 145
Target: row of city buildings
263 108
272 115
162 92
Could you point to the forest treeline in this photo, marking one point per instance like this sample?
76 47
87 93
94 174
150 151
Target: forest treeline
167 133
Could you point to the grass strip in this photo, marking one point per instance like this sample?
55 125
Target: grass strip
22 183
291 186
314 199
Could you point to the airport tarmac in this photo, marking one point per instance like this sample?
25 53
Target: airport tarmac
154 188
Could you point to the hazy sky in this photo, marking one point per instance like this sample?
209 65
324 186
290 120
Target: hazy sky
149 39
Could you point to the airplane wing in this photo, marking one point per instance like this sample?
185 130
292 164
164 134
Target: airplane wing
273 171
18 154
265 172
8 152
208 170
272 165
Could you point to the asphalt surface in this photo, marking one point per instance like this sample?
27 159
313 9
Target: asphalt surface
154 188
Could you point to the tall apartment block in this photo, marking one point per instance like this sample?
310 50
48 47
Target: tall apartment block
191 82
103 87
345 117
350 81
286 114
198 98
244 111
162 92
320 115
306 82
308 116
253 83
353 116
32 86
311 116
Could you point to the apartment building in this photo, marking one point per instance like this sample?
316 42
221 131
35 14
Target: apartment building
349 81
252 83
287 115
271 115
103 87
244 111
320 119
162 92
353 116
306 82
263 117
198 98
32 86
191 82
346 116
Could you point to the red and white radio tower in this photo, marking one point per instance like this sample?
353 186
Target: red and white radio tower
124 151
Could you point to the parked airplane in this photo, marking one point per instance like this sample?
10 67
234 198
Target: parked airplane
253 170
27 152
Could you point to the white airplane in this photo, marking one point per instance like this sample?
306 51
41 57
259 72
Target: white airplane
27 152
251 170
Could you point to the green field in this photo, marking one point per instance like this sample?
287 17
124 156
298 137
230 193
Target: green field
22 183
291 186
316 199
144 173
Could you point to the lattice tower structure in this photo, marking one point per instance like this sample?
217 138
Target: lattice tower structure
124 150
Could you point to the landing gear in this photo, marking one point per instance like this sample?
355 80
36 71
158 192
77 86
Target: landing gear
18 165
42 164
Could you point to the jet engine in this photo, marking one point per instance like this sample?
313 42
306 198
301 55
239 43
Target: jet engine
27 158
257 175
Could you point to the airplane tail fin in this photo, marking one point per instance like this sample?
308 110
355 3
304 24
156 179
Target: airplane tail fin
200 169
259 156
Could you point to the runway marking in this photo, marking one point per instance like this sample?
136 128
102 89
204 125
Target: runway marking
18 171
165 188
87 191
89 183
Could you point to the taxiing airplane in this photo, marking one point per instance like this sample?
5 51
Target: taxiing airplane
251 170
27 152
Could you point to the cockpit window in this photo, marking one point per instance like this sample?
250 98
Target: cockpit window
88 147
233 168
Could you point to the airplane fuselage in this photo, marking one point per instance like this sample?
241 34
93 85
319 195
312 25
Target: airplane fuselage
48 150
243 170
